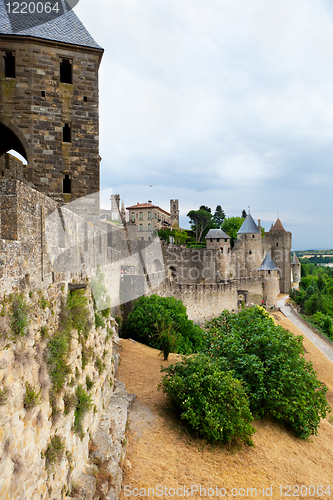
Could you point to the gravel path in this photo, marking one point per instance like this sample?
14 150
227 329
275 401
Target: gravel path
324 346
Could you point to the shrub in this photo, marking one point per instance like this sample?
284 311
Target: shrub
269 359
74 315
89 383
31 397
99 365
99 321
19 317
3 396
56 410
211 401
58 350
83 405
87 355
44 332
70 402
162 321
54 451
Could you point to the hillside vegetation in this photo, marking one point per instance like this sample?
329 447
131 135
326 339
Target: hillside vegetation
245 367
315 296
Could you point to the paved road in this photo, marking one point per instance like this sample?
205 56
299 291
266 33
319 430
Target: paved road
289 312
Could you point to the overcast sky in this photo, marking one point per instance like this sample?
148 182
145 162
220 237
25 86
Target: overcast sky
224 102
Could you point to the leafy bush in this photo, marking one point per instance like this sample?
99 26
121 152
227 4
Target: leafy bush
31 397
89 383
74 316
19 317
269 359
3 395
70 402
153 318
99 321
54 451
99 365
83 405
211 400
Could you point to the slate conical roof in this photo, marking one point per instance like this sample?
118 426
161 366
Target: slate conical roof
268 264
66 28
277 226
249 226
295 260
216 233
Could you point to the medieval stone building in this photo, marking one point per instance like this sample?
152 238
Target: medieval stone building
49 105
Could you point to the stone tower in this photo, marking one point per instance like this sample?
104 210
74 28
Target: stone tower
278 241
49 103
174 212
295 269
270 276
248 247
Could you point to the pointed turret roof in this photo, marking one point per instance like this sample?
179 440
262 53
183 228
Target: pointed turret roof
277 226
216 233
249 226
66 28
295 260
268 264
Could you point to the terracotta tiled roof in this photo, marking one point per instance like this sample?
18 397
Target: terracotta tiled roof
277 226
147 205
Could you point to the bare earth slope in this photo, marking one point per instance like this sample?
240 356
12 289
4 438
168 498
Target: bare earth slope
162 452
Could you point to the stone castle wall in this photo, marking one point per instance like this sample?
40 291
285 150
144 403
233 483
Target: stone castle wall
205 302
41 244
11 168
26 433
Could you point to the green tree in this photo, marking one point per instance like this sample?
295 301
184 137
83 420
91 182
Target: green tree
219 216
162 322
201 221
244 214
278 380
205 208
179 236
231 226
211 400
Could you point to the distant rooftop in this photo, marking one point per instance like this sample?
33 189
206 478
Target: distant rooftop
295 260
277 226
216 233
249 226
146 205
268 264
66 28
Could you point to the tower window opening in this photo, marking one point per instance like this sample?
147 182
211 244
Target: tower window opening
66 133
277 244
85 98
43 93
9 63
67 185
66 71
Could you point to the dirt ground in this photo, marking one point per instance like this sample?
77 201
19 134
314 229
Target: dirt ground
164 460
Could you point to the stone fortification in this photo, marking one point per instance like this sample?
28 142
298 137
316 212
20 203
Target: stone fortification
32 466
205 302
50 115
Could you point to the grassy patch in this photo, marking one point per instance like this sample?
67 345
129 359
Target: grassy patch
19 316
54 452
83 405
3 396
31 397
